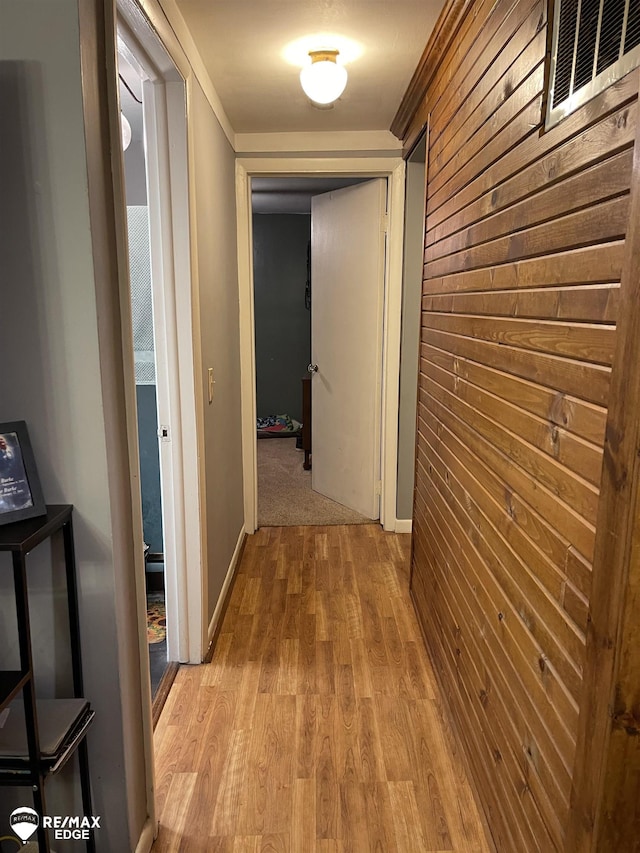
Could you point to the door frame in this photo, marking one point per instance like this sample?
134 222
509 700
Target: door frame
171 185
393 169
410 369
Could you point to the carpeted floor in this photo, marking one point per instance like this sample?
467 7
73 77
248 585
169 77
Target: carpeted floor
285 497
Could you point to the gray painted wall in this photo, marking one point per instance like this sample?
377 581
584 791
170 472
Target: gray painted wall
218 337
410 342
283 324
49 340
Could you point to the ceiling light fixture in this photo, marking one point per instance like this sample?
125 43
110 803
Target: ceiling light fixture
125 130
323 80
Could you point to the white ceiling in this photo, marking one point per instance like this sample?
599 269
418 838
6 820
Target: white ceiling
243 45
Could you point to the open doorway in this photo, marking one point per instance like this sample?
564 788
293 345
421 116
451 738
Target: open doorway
415 204
281 227
135 171
292 219
392 169
152 97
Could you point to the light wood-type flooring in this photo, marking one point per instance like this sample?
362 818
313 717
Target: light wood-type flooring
318 725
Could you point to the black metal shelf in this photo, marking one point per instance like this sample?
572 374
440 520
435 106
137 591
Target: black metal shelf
11 683
16 770
20 537
32 767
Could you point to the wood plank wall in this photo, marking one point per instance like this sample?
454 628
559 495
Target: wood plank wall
524 247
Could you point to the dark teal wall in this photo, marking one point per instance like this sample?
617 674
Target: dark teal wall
149 467
283 324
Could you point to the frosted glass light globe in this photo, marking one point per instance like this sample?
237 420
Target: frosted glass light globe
324 80
125 130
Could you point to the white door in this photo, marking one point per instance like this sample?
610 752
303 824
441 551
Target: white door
347 282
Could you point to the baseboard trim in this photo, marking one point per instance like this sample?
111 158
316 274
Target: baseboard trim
147 837
404 525
225 595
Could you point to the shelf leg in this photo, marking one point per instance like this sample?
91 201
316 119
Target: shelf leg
72 602
85 785
76 659
28 694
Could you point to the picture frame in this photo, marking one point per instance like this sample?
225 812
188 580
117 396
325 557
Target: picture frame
20 491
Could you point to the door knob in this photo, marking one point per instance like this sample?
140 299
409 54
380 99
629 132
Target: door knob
312 368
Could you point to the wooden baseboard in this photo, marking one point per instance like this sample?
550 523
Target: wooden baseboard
147 837
225 595
215 626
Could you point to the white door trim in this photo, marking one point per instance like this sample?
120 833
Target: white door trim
166 358
392 168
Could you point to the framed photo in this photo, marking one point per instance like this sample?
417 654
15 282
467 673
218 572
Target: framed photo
20 491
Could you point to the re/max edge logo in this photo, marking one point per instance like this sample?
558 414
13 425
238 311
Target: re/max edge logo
25 821
68 827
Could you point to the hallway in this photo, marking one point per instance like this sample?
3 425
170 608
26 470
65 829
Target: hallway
318 725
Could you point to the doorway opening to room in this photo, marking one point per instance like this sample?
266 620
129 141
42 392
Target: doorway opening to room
414 228
283 263
152 97
146 374
302 286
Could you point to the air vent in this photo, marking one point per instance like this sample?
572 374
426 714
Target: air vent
595 43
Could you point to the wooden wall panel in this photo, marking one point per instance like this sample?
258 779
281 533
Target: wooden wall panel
605 796
524 256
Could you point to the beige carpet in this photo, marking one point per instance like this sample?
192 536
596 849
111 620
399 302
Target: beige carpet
285 497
